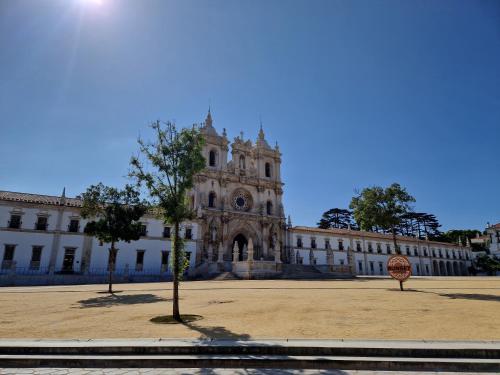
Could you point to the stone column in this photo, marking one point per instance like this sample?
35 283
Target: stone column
329 258
250 250
220 253
236 252
277 253
56 239
210 253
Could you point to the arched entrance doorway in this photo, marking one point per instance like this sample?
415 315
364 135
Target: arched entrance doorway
449 270
463 269
442 268
242 242
435 268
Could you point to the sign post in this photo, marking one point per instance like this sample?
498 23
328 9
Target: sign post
399 268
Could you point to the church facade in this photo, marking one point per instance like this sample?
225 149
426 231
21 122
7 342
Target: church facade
240 227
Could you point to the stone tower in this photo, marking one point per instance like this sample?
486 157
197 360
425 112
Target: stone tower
239 200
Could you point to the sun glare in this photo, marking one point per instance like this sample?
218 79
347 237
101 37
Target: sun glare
93 2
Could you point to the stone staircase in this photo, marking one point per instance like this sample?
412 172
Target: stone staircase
307 272
477 356
225 276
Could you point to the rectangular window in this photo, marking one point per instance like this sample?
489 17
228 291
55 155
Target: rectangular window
379 249
408 250
8 256
68 260
418 269
36 257
15 222
164 260
74 225
144 230
327 244
166 232
425 251
433 253
299 242
440 253
447 254
358 246
341 245
341 262
188 234
415 252
372 270
139 260
313 243
360 266
41 223
427 269
388 248
381 268
370 247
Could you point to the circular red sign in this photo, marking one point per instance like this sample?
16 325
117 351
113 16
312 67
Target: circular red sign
399 267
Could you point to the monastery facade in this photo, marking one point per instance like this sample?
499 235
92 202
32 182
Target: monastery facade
240 227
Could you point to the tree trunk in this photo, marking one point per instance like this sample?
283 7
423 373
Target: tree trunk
176 255
397 252
111 266
396 249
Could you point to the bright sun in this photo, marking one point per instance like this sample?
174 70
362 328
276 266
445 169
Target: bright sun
94 2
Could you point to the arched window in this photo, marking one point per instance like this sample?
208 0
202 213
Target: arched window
211 158
211 199
268 170
269 208
242 162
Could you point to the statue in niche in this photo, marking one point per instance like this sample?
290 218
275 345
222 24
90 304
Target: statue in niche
213 233
274 239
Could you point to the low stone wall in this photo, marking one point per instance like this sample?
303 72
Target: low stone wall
75 279
257 269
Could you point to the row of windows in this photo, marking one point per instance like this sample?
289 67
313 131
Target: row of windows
388 250
313 244
74 226
381 268
8 257
41 223
212 162
69 258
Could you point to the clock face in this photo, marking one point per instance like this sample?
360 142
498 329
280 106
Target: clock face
242 200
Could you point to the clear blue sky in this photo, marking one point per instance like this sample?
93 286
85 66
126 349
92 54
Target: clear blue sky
356 93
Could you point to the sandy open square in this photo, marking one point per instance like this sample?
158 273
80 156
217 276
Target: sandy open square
431 308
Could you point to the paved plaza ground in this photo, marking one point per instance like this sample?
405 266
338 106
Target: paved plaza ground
367 308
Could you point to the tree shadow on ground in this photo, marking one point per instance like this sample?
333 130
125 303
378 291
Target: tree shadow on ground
267 371
475 296
216 332
117 300
471 296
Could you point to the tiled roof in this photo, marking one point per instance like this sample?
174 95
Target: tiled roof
39 199
357 233
495 226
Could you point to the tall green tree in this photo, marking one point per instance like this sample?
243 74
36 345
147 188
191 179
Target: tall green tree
115 217
172 160
487 264
456 235
383 208
336 218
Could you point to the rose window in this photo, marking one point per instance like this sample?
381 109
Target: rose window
241 200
